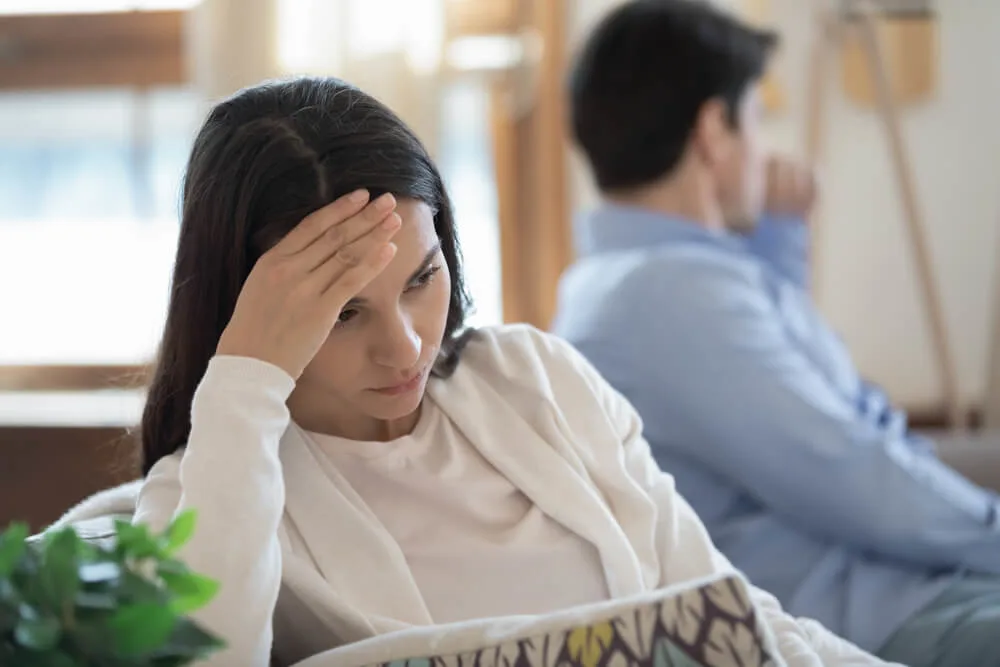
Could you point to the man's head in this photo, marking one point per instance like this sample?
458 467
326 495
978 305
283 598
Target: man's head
665 89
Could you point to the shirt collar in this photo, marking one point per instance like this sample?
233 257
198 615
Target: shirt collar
614 227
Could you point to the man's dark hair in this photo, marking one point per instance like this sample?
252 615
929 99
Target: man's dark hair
643 76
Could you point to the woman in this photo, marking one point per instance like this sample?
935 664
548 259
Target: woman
358 461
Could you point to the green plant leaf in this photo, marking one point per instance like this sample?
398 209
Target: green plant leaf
8 617
179 532
9 595
133 589
92 636
141 628
55 658
191 591
187 642
12 544
95 600
135 541
59 568
91 552
39 633
122 606
172 566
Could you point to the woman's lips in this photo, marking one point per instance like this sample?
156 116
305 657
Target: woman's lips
404 387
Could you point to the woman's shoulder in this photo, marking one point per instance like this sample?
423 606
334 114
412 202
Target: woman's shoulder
518 347
528 356
512 337
527 365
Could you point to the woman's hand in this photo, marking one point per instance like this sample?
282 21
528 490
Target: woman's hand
296 290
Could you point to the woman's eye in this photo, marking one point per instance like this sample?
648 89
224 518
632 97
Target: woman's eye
425 278
346 316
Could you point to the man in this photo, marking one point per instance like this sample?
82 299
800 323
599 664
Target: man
806 476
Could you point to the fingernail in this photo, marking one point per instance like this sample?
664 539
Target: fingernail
385 202
358 196
388 251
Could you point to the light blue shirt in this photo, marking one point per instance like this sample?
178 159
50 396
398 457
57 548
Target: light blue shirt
805 475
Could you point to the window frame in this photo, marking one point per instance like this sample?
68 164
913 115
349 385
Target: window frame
131 49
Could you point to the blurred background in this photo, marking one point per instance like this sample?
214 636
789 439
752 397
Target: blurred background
100 99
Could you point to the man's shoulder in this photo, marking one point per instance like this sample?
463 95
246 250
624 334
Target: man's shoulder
662 270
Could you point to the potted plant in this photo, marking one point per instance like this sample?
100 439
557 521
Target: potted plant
67 602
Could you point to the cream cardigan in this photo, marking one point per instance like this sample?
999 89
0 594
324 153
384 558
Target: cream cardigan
306 567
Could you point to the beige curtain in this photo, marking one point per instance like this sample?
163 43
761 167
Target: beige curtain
389 48
393 49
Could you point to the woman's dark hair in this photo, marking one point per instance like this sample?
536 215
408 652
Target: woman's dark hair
643 76
265 159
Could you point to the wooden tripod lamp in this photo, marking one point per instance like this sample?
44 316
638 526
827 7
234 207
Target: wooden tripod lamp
888 57
907 32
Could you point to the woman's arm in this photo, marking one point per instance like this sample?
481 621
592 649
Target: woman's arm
230 474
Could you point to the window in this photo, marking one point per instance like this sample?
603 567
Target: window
466 161
89 186
95 125
89 193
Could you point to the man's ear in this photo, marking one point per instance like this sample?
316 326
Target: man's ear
712 136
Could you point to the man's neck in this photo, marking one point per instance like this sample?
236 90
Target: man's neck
684 197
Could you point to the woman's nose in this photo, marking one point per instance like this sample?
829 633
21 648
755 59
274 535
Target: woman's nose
399 346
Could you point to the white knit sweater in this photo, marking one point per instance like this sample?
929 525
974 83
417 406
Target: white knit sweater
306 566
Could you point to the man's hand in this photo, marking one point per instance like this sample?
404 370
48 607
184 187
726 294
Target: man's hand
791 188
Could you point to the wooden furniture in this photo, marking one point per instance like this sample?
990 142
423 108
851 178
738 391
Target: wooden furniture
60 444
46 470
991 402
976 456
88 50
530 147
909 47
65 433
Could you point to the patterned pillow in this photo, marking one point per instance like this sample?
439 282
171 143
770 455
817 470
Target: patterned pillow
712 624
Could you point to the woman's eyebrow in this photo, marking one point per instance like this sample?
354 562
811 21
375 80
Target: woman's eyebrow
359 300
427 260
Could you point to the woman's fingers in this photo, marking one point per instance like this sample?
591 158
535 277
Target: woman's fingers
316 224
356 264
347 232
285 310
354 279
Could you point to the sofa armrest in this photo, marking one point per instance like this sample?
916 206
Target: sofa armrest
99 529
975 455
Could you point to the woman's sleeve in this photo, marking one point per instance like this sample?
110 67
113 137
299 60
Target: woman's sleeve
229 473
686 551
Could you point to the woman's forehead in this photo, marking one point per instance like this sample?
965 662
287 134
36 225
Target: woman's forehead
417 236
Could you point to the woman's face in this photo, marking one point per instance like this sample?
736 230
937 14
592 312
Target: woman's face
368 379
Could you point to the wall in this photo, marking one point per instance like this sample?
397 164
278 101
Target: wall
867 281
